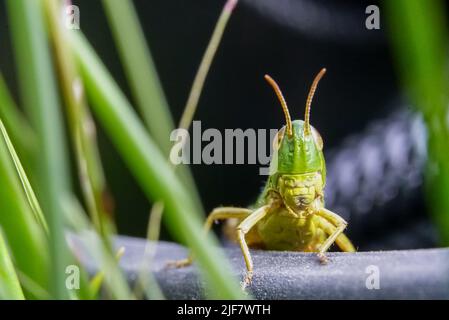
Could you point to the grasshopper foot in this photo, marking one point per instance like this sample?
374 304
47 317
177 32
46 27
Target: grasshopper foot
247 280
322 257
179 263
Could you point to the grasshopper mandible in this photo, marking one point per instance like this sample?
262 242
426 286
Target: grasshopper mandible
289 213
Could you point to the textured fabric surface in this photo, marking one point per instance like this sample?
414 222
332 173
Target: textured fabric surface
406 274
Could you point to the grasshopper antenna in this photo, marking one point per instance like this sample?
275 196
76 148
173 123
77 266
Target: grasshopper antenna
309 100
278 92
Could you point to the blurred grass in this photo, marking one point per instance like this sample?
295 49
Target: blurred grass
18 127
144 81
146 89
25 237
150 168
97 281
140 70
29 192
41 261
113 280
9 282
419 37
206 62
40 98
81 125
146 282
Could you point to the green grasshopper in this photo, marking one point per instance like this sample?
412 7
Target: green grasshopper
289 214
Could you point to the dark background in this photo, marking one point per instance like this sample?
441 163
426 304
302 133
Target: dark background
262 37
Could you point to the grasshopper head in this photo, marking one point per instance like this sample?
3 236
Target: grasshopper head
300 152
298 158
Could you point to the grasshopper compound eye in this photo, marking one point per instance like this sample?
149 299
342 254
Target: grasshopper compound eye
317 137
278 139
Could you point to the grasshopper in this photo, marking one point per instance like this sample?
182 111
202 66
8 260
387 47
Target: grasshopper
289 214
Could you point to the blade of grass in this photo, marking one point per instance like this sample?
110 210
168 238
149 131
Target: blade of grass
9 282
114 281
82 129
84 140
88 162
419 37
146 282
140 70
25 237
31 197
150 168
19 128
32 287
203 70
143 78
39 96
97 280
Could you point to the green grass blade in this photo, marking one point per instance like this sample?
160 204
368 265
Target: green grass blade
146 282
9 282
113 278
18 127
206 62
31 197
140 70
419 37
40 99
25 237
144 81
151 169
97 281
90 170
32 288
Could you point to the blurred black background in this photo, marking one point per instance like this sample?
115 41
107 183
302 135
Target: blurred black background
290 39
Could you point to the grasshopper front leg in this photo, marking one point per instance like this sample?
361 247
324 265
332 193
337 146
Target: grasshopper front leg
221 213
243 228
340 225
342 240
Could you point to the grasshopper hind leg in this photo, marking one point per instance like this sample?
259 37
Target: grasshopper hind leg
220 213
